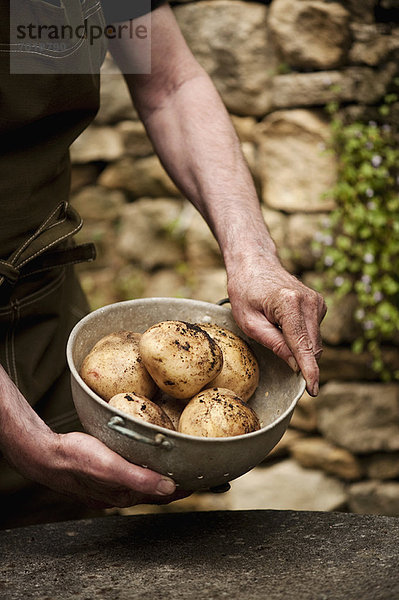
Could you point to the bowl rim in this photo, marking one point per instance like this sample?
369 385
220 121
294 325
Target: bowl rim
157 428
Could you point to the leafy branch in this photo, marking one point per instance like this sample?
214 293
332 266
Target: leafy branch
359 250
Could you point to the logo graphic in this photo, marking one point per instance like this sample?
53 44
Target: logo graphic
73 36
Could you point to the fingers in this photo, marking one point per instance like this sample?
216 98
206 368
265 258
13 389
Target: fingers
270 336
292 343
290 326
120 472
313 316
299 313
299 341
96 473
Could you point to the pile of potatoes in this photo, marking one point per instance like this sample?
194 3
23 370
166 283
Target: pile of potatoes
195 379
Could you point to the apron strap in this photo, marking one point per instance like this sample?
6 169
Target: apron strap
33 255
8 272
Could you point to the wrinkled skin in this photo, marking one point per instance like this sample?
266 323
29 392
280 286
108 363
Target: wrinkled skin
274 308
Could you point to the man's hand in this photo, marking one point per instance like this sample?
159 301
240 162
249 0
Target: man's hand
274 308
75 464
81 466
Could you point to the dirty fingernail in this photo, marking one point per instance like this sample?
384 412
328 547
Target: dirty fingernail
293 364
166 487
315 389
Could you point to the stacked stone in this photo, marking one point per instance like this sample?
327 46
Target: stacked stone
276 65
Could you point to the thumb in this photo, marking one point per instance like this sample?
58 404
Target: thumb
105 465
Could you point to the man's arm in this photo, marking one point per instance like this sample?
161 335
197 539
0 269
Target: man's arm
194 137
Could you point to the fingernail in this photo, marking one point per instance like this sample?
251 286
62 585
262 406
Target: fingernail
166 487
293 364
315 389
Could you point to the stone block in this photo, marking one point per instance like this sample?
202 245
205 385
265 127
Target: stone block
245 128
146 235
371 47
317 453
287 486
115 101
366 113
199 556
301 232
277 224
134 138
371 85
294 168
97 144
99 287
339 325
374 497
304 417
353 84
201 248
166 283
96 203
140 177
282 449
310 34
382 465
386 4
82 175
103 235
209 285
341 363
229 39
361 417
130 282
363 11
249 152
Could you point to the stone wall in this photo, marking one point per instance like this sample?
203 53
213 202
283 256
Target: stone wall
276 65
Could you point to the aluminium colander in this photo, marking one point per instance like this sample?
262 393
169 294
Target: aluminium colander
193 462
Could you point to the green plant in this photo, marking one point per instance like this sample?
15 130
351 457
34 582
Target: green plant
359 249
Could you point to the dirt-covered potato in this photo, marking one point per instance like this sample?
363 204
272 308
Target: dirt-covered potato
114 365
217 412
141 408
171 406
181 357
240 372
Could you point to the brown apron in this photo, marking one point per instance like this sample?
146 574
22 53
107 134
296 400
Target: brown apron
40 297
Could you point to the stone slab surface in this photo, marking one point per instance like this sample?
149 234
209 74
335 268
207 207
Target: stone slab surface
250 554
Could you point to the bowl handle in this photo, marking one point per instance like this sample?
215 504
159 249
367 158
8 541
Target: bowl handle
118 424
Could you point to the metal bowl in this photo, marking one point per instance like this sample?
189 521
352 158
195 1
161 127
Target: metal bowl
193 462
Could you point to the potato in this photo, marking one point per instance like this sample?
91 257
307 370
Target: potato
171 406
240 372
114 365
140 407
180 357
217 412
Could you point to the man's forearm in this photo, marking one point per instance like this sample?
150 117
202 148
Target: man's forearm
195 139
23 435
